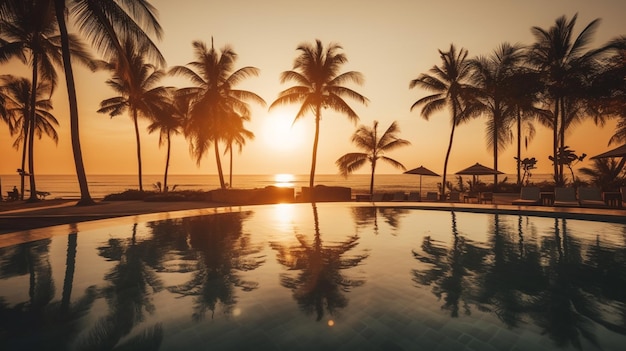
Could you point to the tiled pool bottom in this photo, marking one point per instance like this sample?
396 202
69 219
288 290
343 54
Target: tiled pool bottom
333 276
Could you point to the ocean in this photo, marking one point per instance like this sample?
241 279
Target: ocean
66 186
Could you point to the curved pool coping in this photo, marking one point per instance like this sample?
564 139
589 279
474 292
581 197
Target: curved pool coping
85 222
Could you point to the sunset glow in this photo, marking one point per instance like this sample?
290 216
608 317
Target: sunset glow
387 44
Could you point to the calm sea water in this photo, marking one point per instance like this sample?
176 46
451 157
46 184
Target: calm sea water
66 186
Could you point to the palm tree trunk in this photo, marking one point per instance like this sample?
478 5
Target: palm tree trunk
138 149
230 171
372 178
314 156
220 173
24 148
555 141
31 130
562 139
519 146
445 163
496 128
70 265
85 197
167 161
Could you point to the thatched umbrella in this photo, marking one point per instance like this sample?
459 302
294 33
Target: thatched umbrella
422 171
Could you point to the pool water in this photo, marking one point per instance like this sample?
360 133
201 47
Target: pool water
312 277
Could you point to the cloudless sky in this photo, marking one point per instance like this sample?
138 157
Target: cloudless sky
390 42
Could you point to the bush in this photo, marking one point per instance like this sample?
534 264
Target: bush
156 196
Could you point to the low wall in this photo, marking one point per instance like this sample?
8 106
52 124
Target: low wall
267 195
327 193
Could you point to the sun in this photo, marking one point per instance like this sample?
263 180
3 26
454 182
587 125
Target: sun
279 133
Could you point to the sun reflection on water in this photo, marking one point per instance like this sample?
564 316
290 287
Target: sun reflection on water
284 180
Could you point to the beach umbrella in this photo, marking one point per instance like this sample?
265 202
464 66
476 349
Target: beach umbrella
617 152
478 170
422 171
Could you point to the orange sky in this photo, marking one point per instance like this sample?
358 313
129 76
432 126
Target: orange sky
390 42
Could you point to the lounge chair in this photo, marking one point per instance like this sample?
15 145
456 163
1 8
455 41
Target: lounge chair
529 195
591 197
485 197
565 197
378 197
455 196
470 195
414 196
398 196
432 196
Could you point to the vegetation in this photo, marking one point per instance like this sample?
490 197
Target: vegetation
16 92
556 81
214 104
135 81
320 85
450 83
366 139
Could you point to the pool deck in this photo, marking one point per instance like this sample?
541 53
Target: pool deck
20 217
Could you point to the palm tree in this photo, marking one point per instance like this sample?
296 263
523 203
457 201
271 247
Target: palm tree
522 94
29 32
319 85
18 91
104 22
606 173
168 122
451 86
235 134
135 83
214 98
366 139
490 75
564 64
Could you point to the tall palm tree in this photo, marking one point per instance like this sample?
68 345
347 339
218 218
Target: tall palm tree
489 76
18 91
214 98
29 32
564 63
375 147
610 88
104 22
319 85
522 94
450 83
135 82
168 122
235 134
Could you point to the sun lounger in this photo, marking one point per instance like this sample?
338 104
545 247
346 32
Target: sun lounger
565 197
455 196
470 195
414 196
398 196
432 196
378 197
529 195
485 197
591 197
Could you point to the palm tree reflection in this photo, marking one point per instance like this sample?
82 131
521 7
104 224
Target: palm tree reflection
26 324
129 296
320 284
452 272
368 216
221 250
566 286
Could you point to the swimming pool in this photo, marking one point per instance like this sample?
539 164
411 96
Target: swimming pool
331 276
